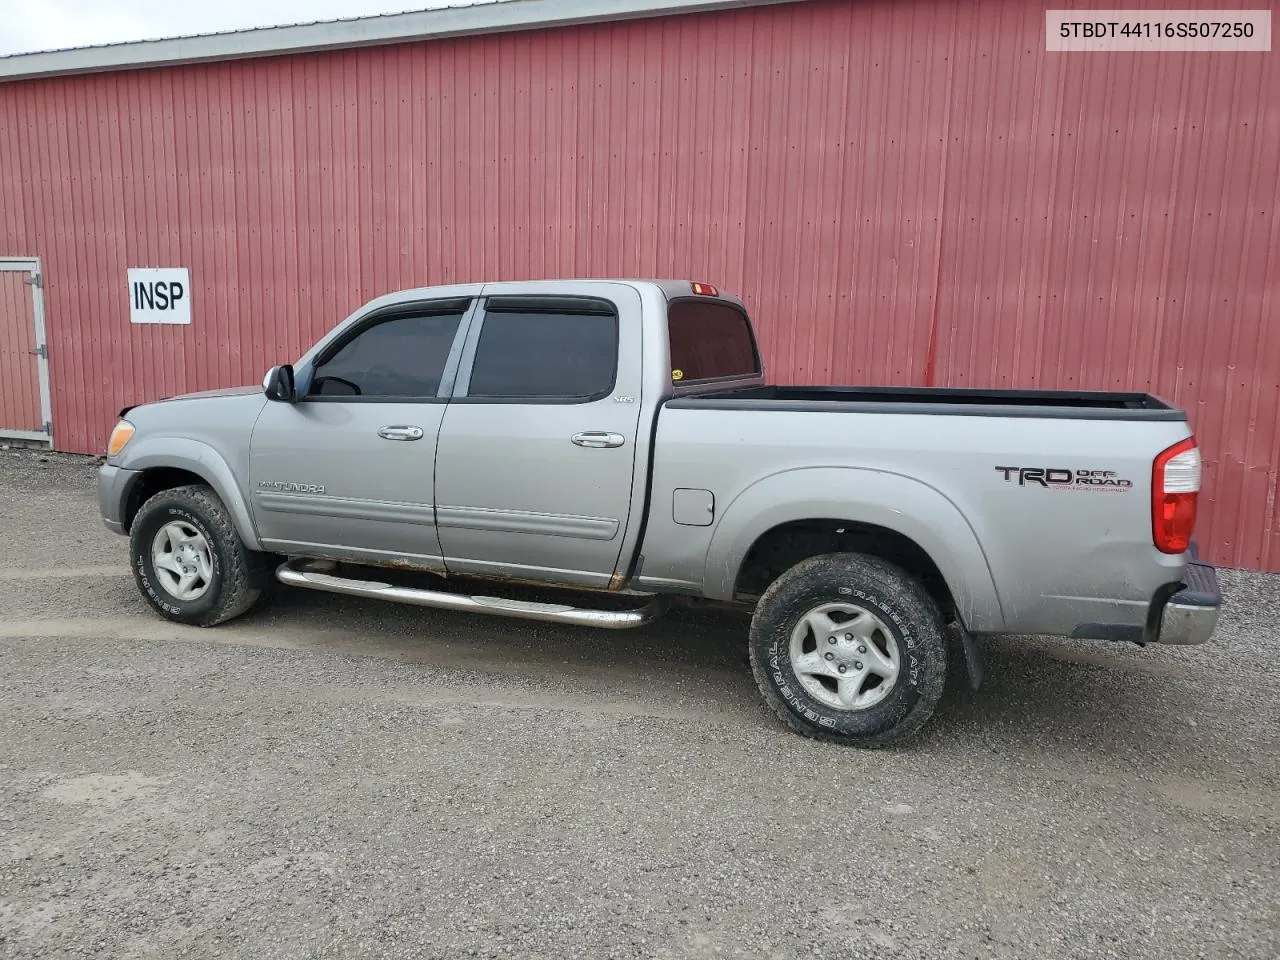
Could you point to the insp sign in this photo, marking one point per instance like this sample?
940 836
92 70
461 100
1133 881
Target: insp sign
159 295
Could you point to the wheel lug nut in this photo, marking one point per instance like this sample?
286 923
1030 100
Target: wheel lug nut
831 639
848 636
862 649
841 668
857 664
831 656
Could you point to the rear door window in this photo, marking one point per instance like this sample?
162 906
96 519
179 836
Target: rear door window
710 340
561 350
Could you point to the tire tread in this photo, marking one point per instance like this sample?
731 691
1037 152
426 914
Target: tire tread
903 589
241 579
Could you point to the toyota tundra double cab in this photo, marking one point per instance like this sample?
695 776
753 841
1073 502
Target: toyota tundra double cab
584 451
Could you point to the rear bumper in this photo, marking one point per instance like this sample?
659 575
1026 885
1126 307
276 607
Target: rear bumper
1190 615
1182 612
114 486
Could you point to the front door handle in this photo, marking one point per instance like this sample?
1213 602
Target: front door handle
400 433
598 438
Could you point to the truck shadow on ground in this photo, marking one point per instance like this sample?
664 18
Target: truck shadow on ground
1060 695
1100 703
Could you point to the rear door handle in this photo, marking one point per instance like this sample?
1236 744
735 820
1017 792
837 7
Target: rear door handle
400 433
598 438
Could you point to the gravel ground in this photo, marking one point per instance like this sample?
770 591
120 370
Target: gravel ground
330 777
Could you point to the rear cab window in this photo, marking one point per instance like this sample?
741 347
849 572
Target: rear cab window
710 340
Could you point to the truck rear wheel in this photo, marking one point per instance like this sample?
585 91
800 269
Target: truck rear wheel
849 648
188 560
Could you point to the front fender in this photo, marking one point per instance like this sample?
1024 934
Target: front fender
194 456
859 495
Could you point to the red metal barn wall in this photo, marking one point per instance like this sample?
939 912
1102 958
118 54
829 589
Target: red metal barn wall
909 193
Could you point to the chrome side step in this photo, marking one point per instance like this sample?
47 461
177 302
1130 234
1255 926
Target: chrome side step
497 606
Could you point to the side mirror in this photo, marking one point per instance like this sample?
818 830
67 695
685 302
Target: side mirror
278 384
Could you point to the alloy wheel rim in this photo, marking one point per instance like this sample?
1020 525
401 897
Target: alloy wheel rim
845 656
182 560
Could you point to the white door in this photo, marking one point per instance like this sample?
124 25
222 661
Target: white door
24 353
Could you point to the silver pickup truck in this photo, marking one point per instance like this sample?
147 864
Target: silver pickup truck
588 452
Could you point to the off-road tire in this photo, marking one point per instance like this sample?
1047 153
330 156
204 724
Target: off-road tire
237 571
903 606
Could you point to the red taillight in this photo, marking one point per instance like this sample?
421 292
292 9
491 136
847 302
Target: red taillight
705 290
1175 486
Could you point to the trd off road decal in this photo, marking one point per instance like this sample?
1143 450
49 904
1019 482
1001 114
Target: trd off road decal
1060 478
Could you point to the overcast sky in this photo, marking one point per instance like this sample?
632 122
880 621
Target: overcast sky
27 25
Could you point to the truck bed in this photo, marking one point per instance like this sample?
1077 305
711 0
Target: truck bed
1058 404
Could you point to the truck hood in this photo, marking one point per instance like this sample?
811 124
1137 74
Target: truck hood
224 392
200 395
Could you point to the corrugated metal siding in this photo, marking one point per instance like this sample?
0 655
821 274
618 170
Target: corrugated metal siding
19 386
903 192
1112 222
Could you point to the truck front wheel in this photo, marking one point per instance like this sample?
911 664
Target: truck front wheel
849 648
188 560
